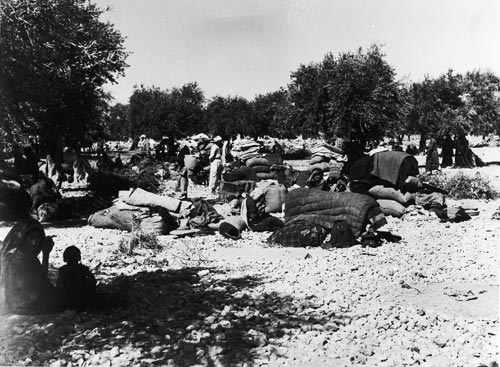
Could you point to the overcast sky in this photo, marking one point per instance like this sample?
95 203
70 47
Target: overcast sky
248 47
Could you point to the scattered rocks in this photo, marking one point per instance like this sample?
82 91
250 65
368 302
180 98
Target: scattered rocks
220 302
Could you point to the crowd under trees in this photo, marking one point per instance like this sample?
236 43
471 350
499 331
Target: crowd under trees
56 55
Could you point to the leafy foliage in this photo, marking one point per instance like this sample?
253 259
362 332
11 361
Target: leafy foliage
55 57
118 124
461 186
455 104
229 116
155 112
353 95
271 112
482 101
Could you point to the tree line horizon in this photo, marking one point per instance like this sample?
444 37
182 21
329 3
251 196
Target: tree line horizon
353 95
56 56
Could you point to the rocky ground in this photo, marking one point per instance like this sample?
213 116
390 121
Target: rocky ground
430 299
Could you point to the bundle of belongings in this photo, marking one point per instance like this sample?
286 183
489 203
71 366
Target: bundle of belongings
267 167
46 201
195 168
268 197
240 179
138 209
310 215
390 177
326 153
245 149
230 190
203 146
40 199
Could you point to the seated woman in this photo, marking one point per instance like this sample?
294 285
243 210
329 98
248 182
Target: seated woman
316 180
25 282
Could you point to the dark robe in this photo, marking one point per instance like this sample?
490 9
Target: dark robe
432 156
447 152
27 288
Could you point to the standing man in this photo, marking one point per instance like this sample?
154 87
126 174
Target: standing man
215 164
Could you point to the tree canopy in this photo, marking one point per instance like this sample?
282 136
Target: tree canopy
354 95
55 56
157 112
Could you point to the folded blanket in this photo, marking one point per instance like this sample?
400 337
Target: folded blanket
325 208
299 234
394 167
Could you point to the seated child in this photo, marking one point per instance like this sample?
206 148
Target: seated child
76 281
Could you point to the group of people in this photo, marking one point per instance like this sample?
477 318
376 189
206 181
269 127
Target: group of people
432 153
24 281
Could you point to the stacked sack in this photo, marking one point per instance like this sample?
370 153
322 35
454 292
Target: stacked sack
244 149
204 146
324 155
393 202
261 166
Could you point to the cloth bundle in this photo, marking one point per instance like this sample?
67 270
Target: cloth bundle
202 214
129 220
390 169
325 153
325 208
269 196
140 209
229 190
299 234
244 149
324 166
46 200
392 201
140 197
295 177
239 174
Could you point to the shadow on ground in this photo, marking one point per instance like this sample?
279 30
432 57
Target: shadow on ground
174 317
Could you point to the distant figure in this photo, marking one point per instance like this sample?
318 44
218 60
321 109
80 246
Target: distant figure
172 147
227 157
412 149
183 151
215 159
447 151
76 281
278 149
432 156
144 144
161 149
31 160
135 144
